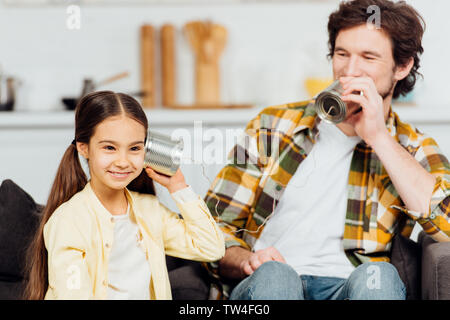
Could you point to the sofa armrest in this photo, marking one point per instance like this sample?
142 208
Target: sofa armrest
435 268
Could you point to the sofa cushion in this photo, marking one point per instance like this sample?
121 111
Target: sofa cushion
189 280
12 290
435 270
406 257
19 217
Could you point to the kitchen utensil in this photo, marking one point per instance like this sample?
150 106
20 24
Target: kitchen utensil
207 41
90 86
148 66
112 79
8 86
168 64
71 102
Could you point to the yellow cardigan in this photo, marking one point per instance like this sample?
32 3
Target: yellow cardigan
79 237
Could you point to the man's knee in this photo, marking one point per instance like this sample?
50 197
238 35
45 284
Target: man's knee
272 280
374 281
276 270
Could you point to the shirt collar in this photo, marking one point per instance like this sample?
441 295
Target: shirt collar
98 206
308 121
391 123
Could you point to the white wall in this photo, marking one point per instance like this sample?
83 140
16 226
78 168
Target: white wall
271 49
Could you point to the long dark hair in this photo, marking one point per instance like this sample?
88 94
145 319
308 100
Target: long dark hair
400 21
70 178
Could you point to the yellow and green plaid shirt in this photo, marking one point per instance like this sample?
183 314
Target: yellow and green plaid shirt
247 189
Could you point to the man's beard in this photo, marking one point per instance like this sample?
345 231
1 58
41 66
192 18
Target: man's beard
384 94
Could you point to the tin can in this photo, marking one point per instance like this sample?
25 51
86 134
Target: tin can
329 105
162 153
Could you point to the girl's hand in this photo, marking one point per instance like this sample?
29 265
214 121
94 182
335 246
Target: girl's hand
173 184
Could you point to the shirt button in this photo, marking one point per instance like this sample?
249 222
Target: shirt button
112 220
107 245
432 216
278 187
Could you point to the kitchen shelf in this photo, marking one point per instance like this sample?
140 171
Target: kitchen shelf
159 116
220 117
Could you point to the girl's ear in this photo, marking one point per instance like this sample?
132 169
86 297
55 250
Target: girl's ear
83 149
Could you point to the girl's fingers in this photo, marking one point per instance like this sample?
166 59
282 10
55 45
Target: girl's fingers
163 180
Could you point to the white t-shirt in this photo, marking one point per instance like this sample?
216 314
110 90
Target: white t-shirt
307 226
128 269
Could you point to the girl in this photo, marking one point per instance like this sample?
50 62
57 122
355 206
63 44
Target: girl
106 238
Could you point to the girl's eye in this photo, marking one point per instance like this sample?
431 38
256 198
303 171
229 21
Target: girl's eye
109 148
135 148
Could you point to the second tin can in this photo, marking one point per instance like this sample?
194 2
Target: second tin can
329 105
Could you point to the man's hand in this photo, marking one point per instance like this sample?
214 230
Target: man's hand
369 124
256 259
238 262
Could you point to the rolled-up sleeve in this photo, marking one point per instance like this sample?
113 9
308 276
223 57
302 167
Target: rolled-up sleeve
435 222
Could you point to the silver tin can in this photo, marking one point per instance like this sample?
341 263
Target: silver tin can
329 105
162 153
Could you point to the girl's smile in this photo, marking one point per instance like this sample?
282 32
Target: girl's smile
119 175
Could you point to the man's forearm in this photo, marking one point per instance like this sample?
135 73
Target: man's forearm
230 264
413 183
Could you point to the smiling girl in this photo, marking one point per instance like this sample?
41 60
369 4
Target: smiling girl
106 238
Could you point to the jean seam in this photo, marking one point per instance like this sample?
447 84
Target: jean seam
250 292
305 288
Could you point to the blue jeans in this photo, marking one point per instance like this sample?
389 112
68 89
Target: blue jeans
278 281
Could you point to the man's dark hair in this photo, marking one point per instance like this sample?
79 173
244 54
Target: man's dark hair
400 21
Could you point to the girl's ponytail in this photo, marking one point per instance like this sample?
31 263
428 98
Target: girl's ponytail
70 179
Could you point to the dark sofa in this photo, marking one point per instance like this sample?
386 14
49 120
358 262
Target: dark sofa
423 266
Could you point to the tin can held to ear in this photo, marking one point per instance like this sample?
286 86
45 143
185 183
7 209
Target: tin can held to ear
162 153
329 105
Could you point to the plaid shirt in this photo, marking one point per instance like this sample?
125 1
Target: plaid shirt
247 189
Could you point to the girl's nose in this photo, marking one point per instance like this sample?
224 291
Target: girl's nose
121 161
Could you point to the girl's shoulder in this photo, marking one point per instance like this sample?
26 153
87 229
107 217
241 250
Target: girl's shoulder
143 197
73 209
145 201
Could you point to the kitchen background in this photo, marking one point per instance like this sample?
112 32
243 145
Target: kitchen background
272 48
